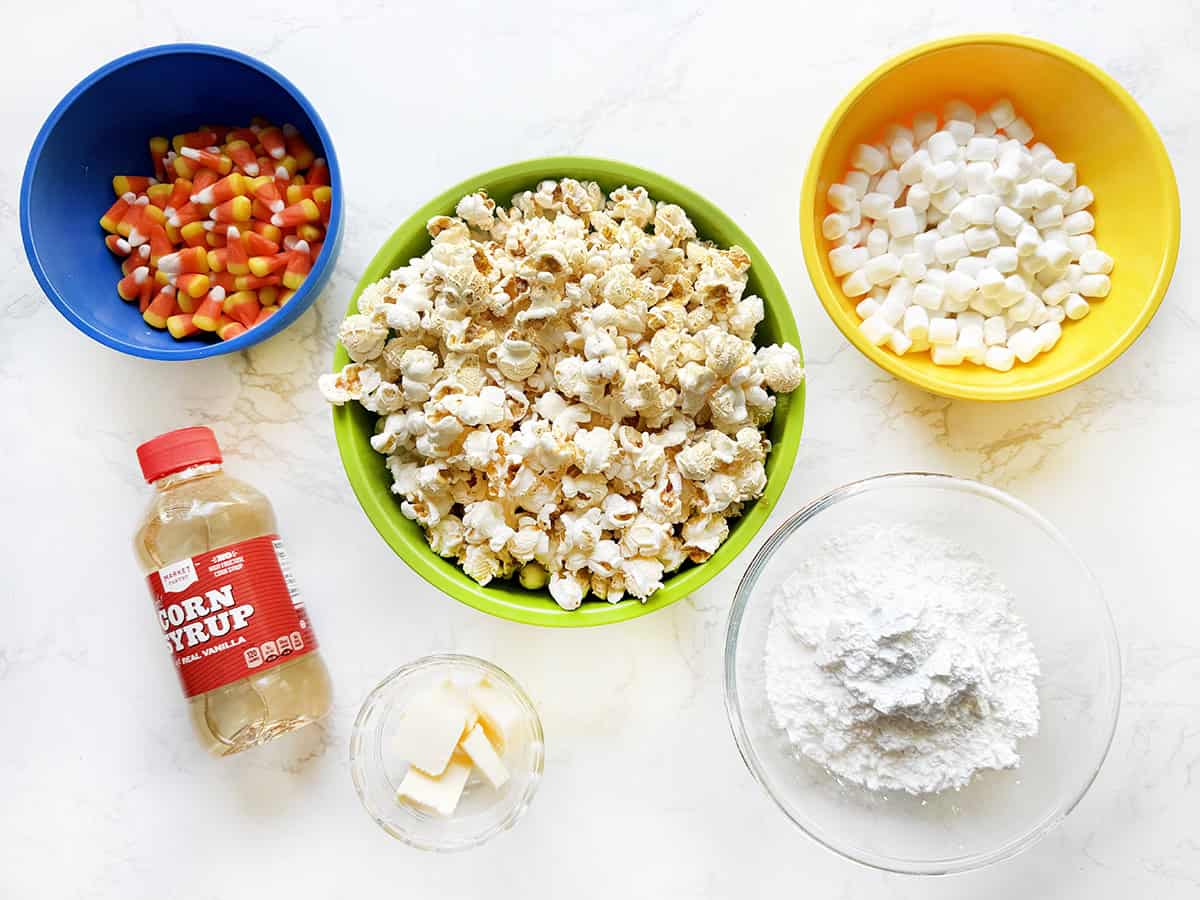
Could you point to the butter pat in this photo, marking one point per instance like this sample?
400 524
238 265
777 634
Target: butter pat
439 794
500 717
484 756
431 727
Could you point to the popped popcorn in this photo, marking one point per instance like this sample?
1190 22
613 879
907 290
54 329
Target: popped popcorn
567 389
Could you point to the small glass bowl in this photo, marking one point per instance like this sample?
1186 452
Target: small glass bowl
483 811
999 813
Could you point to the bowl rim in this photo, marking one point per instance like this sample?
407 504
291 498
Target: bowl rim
360 756
307 292
832 299
678 585
946 865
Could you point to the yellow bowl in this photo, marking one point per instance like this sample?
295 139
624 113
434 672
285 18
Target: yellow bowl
1088 119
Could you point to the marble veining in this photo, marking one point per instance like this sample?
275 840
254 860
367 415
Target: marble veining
645 795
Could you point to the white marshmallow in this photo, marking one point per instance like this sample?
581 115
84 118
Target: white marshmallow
1008 221
918 197
912 170
867 308
868 158
924 125
980 239
1080 244
945 200
1003 259
1096 262
1019 130
877 242
916 323
1078 222
1057 292
991 282
1075 307
912 266
984 125
942 147
855 284
946 355
925 245
835 225
999 358
851 238
890 184
1048 334
882 268
844 260
982 149
875 330
983 209
1028 241
1057 172
947 250
977 175
841 197
1080 198
857 181
1025 344
1095 285
900 149
1050 217
961 131
902 221
960 286
898 342
876 204
927 295
1001 112
940 176
995 330
943 330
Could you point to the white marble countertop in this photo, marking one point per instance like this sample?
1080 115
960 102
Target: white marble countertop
105 794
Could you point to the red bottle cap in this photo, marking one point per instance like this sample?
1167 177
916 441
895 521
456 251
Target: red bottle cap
178 450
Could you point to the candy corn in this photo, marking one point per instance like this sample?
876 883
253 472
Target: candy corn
225 230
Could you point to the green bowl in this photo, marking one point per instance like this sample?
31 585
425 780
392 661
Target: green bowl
371 480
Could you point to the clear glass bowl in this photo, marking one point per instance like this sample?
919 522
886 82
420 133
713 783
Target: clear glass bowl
1000 813
483 812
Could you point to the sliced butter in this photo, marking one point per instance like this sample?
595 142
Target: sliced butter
484 756
431 727
439 794
501 718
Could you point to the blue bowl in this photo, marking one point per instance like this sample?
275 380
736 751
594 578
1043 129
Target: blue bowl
99 130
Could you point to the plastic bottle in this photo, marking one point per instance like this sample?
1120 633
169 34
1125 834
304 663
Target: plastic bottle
244 649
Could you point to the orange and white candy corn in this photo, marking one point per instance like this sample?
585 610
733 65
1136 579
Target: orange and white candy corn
243 157
117 244
124 184
112 219
128 287
291 216
208 313
191 259
236 209
299 263
273 142
318 173
297 147
161 308
181 326
242 306
194 139
194 284
232 185
158 155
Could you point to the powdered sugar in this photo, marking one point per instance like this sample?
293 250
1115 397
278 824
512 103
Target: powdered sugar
894 659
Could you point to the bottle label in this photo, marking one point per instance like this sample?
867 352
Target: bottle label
230 613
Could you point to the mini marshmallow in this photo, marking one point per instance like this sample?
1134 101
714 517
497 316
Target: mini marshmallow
855 284
962 132
924 125
945 200
1080 244
851 238
1055 314
882 268
1096 262
971 265
1050 217
1014 289
987 306
844 260
877 242
995 330
946 355
1021 310
918 198
898 342
902 221
991 282
999 358
960 286
1018 129
980 239
875 330
1023 196
900 149
867 308
857 181
943 330
889 183
940 176
1002 113
1094 285
1057 292
1075 307
1024 344
976 176
1057 172
942 147
950 226
1008 221
868 158
927 295
1048 334
958 111
1028 241
835 225
901 246
925 245
912 266
841 197
912 170
1078 222
1003 259
916 323
891 311
983 209
984 126
982 149
1080 198
947 250
876 205
1056 253
1041 154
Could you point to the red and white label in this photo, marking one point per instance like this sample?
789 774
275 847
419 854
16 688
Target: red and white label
231 612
